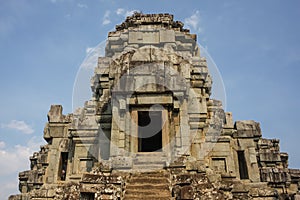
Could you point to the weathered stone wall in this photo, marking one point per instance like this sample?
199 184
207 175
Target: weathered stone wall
152 62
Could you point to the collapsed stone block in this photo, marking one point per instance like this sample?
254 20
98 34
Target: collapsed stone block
247 129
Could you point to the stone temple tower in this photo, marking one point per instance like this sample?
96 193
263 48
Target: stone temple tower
151 130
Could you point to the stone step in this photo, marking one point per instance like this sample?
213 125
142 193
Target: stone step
147 167
147 186
148 192
150 154
154 174
149 161
144 162
146 180
134 197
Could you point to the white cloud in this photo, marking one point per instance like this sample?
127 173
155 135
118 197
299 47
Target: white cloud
194 21
124 12
19 126
90 62
81 5
12 161
8 187
89 50
106 19
2 144
93 53
120 11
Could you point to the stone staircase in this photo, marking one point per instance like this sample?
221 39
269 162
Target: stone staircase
148 186
145 162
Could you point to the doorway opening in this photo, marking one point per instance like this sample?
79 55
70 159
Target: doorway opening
242 165
149 131
87 196
62 171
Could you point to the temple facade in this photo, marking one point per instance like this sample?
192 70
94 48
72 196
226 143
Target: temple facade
152 131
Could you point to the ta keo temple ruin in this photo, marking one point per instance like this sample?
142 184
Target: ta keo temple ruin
151 130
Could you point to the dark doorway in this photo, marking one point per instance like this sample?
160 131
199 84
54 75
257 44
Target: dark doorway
87 196
63 166
149 131
242 165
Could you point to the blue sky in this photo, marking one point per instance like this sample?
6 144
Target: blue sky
255 44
